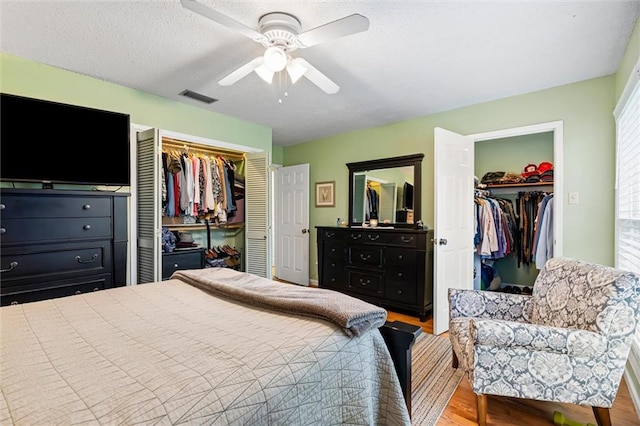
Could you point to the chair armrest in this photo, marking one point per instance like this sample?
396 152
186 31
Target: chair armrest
489 304
533 337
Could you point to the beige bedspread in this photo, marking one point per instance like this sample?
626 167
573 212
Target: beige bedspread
170 353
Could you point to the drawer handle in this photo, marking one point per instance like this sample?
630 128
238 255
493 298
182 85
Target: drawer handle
93 258
373 237
330 234
405 239
399 257
96 289
356 236
364 282
399 275
78 292
365 258
12 265
3 230
175 265
86 207
333 280
15 302
86 227
3 206
399 292
333 265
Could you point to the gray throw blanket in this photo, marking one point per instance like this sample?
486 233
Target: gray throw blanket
355 316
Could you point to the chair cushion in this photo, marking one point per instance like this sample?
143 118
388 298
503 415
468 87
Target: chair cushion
575 294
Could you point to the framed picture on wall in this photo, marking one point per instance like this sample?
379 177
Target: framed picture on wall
325 194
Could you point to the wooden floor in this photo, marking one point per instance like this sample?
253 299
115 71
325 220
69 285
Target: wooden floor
519 412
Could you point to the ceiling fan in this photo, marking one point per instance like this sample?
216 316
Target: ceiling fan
280 35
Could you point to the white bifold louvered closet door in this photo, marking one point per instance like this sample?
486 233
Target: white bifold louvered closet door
256 228
149 218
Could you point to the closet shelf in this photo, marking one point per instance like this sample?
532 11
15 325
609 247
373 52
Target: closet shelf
231 227
514 187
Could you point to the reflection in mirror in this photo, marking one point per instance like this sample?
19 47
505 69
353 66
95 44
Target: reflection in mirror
383 194
386 190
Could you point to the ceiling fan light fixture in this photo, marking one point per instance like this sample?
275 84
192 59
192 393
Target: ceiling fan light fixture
295 70
265 73
275 58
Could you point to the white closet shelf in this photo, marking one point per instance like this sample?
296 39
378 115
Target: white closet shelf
232 227
516 187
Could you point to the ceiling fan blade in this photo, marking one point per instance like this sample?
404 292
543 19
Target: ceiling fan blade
317 78
296 69
221 18
241 72
348 25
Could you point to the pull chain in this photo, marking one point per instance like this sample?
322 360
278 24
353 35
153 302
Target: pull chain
282 75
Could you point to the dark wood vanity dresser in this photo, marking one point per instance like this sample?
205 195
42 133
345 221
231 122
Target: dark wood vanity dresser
390 265
387 267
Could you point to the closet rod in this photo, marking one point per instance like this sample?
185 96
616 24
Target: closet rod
190 147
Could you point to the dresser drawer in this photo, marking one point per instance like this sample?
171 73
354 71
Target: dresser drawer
382 237
365 256
54 261
330 235
27 206
365 283
400 274
412 240
335 251
181 260
401 258
53 289
334 274
58 229
405 291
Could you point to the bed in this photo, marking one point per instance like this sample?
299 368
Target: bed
211 346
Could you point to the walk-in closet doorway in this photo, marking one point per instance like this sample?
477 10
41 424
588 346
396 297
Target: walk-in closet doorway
452 253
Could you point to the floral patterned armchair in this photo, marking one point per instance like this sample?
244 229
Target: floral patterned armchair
567 342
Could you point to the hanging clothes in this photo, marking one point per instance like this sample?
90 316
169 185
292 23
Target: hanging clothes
194 185
373 199
543 248
529 204
495 224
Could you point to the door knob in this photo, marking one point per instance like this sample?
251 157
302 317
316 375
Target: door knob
304 231
442 241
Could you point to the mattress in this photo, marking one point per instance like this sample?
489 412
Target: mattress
172 353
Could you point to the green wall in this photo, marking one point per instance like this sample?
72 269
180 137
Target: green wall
26 78
589 157
512 154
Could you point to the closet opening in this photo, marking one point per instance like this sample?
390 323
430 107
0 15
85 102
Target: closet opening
191 201
519 183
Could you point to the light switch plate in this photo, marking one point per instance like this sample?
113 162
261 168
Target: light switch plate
573 198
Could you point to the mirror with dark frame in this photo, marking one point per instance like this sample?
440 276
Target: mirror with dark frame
386 190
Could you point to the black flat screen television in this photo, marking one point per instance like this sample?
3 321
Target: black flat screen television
44 141
407 196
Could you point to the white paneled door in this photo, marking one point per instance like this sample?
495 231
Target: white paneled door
454 222
292 223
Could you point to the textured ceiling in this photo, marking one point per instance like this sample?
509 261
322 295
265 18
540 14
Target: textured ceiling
417 58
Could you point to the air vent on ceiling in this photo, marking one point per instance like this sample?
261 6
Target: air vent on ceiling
198 96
